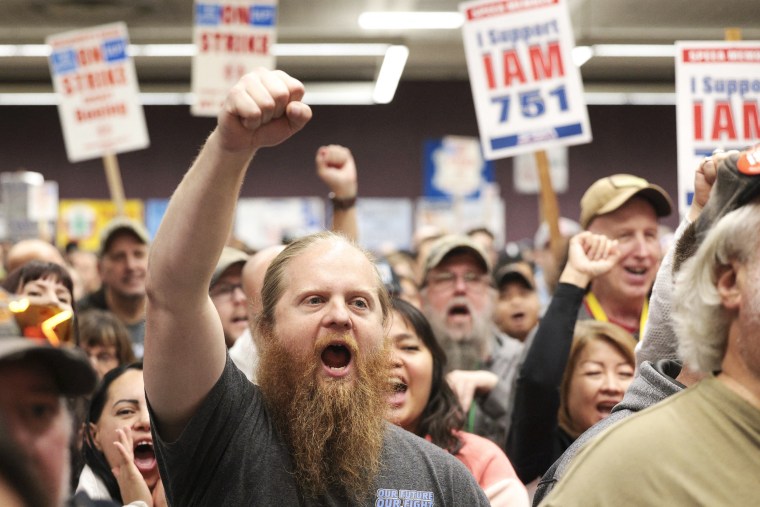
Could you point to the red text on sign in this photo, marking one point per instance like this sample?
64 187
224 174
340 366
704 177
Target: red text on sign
232 43
543 62
90 81
725 126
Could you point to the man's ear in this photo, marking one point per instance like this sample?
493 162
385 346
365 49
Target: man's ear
728 286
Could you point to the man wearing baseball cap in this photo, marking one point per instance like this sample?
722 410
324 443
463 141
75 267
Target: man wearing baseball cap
122 263
226 292
35 380
517 307
626 208
458 300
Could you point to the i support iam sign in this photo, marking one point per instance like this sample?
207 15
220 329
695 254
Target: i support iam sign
717 96
527 91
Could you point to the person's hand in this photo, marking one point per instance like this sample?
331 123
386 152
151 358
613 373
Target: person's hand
704 178
336 167
466 384
132 485
263 109
589 256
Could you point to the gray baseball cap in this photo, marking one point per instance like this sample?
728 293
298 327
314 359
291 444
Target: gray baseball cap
70 368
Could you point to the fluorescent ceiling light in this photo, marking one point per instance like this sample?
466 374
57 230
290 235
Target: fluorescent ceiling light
410 20
341 94
635 50
24 50
380 91
189 50
348 49
390 74
581 54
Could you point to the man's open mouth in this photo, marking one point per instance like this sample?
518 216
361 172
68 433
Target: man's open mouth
636 271
459 310
145 457
336 356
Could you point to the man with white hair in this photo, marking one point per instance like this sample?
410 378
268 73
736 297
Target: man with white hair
701 446
458 299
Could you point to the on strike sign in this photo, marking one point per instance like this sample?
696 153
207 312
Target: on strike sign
527 91
232 38
717 95
99 104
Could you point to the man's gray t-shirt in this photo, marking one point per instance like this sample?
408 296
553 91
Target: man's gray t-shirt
230 454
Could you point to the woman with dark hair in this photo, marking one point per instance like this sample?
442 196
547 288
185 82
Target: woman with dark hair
424 404
120 464
573 374
49 290
105 340
42 283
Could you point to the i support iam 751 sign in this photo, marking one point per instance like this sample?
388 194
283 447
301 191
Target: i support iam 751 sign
99 103
528 93
717 97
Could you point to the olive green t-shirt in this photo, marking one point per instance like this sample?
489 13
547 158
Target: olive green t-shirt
698 447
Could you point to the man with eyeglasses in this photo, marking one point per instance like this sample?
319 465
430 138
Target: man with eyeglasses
226 292
458 300
626 208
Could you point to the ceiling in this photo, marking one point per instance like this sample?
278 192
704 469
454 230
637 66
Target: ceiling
433 54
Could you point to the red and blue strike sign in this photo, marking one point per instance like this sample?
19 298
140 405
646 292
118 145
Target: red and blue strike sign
221 14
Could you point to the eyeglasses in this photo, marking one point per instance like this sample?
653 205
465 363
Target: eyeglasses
447 280
223 290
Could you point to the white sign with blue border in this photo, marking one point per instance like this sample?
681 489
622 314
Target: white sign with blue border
717 97
231 39
527 91
99 101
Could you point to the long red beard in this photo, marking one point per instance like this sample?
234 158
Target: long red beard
334 427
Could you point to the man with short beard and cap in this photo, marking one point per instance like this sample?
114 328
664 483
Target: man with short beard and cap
122 263
626 208
458 300
313 431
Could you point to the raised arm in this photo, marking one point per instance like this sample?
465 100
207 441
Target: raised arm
530 445
659 339
336 167
184 341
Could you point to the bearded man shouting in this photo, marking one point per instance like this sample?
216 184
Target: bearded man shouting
313 432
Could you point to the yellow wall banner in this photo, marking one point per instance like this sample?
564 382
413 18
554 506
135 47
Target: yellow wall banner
81 220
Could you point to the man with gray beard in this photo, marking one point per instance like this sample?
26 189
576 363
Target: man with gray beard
313 431
458 300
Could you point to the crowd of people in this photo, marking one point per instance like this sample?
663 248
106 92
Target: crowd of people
188 370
